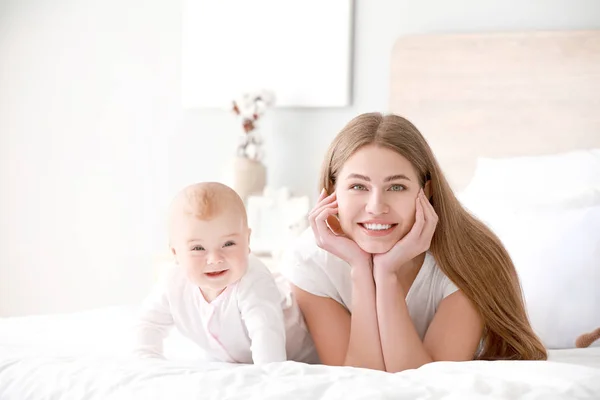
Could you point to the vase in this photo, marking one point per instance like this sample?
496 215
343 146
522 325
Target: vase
249 177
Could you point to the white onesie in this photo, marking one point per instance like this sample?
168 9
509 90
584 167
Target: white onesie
321 273
248 322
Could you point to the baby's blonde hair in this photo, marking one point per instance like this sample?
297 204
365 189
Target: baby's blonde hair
205 201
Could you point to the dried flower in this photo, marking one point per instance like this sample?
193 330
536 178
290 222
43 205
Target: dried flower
250 107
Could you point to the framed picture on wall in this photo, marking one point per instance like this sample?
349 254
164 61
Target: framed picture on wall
300 50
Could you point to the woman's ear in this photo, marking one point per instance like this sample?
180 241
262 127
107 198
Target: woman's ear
333 223
330 187
427 189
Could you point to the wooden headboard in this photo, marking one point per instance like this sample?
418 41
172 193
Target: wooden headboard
498 95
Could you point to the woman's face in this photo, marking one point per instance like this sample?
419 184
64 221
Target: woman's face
376 191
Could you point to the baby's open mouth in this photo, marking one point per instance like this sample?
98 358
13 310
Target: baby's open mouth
216 274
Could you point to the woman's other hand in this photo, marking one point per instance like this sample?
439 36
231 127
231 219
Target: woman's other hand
329 235
416 241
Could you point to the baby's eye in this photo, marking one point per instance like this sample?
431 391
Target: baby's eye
397 188
198 248
358 187
228 244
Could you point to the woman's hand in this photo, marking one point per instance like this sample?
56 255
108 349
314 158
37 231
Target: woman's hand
415 242
335 243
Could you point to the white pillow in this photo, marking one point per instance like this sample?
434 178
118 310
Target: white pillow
570 179
557 256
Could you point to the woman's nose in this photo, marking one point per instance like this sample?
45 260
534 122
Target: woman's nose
376 204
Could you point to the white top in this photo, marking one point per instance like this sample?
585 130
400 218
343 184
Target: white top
244 324
321 273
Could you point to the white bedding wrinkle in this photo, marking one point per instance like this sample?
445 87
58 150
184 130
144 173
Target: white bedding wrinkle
84 356
112 378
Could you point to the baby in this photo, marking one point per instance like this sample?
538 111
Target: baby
218 294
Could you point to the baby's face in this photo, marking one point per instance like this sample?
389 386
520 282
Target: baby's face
214 253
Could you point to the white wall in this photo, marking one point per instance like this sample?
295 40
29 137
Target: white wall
93 141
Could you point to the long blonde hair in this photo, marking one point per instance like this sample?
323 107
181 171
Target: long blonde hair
469 253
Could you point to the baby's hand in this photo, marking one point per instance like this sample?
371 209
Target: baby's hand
260 307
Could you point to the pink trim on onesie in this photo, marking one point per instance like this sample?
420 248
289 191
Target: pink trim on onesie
212 313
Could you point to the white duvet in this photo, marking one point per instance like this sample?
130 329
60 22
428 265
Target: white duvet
83 356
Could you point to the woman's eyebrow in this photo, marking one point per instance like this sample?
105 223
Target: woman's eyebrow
388 179
396 178
359 176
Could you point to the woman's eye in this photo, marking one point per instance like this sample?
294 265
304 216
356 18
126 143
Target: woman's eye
357 187
229 244
197 248
397 188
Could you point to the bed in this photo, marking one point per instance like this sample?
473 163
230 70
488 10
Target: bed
81 356
481 100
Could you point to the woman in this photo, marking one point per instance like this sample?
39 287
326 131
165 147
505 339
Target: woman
394 273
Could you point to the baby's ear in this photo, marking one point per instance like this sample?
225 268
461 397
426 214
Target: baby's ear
174 254
249 234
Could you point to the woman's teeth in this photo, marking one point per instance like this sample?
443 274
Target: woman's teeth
377 227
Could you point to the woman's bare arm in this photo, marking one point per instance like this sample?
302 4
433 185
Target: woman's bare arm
456 327
453 335
342 338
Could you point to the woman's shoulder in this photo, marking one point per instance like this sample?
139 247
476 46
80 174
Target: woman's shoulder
430 287
304 249
439 281
313 269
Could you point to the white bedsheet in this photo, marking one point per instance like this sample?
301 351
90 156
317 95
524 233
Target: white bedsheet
83 356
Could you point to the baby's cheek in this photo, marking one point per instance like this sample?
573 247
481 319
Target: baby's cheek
241 261
193 275
194 265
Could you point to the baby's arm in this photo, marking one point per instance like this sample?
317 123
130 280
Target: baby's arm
153 325
259 301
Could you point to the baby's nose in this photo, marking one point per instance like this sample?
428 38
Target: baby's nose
214 258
